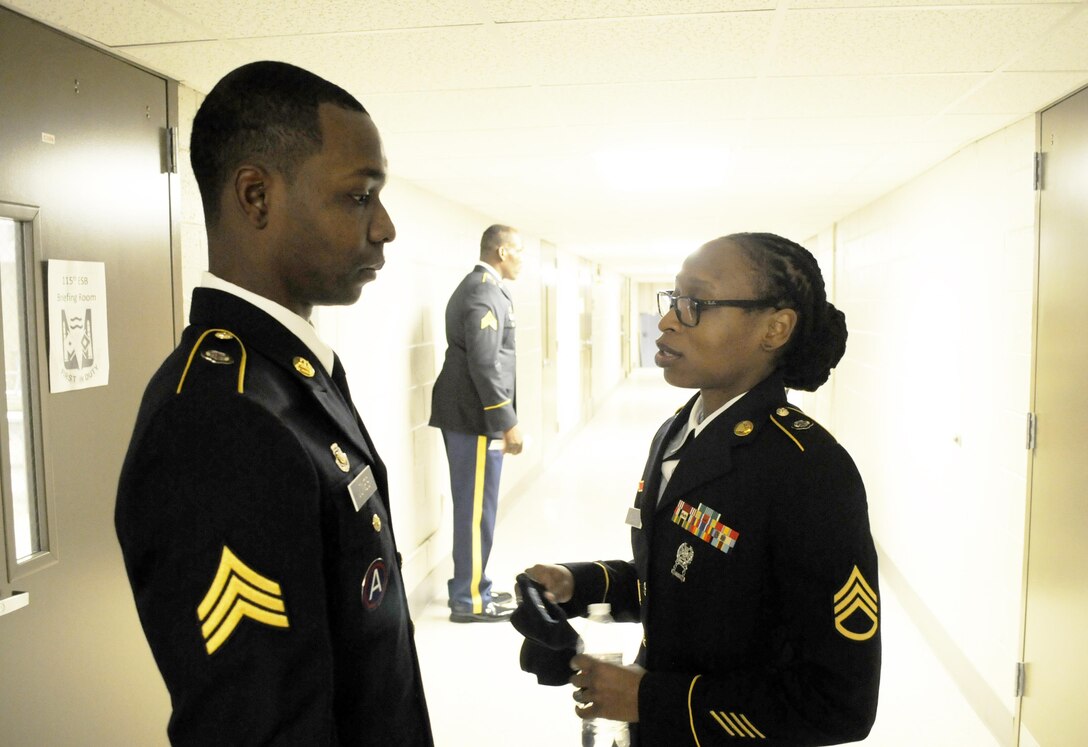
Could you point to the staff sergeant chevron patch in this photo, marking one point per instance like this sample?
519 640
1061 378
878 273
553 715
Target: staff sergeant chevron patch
856 608
236 592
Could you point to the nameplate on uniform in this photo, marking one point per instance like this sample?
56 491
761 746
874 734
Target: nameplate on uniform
362 487
634 517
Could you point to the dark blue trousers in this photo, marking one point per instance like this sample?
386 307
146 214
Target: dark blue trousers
474 483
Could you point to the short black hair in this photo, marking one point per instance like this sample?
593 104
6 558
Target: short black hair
788 274
266 111
494 238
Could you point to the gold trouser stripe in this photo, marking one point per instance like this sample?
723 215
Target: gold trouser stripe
192 354
691 714
477 517
504 403
607 580
799 446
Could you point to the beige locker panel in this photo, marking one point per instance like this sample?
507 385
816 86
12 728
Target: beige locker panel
1056 647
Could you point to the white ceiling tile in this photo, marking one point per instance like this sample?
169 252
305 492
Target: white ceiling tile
857 95
910 40
548 10
664 101
261 18
1011 93
1065 48
799 4
115 23
454 111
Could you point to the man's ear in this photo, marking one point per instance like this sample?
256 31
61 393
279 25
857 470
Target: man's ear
251 194
780 328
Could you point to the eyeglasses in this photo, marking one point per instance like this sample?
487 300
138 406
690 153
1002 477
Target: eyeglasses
688 308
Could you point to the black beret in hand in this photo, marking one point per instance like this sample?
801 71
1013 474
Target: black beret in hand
549 639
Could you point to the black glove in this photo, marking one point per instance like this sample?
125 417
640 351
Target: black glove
549 639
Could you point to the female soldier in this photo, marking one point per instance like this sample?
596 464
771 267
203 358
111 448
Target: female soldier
754 572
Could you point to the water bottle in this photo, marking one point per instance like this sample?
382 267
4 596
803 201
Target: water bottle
597 641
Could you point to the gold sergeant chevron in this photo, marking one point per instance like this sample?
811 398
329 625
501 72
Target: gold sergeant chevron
856 595
238 592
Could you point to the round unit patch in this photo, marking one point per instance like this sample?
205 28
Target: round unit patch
374 583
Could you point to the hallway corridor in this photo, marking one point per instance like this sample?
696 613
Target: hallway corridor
477 694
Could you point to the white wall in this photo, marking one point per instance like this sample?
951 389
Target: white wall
936 282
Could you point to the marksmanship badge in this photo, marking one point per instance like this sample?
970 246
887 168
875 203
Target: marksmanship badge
684 556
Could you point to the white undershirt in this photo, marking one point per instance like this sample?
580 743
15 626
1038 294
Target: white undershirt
301 328
696 422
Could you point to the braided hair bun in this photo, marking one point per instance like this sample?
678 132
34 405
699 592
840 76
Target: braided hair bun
788 273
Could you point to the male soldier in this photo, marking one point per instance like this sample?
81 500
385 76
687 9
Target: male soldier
252 510
473 404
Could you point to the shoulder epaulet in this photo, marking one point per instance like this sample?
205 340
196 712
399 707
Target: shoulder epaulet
791 421
217 347
487 278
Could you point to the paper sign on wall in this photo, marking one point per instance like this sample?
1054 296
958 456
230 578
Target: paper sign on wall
79 351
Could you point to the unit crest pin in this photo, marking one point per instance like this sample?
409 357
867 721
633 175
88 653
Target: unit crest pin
303 366
340 457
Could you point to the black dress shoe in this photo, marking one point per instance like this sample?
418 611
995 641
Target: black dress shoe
502 597
491 613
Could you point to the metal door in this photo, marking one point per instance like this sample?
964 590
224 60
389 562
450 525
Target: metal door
82 144
1055 647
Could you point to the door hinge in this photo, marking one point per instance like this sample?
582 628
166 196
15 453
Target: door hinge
171 150
1020 679
1032 424
1037 173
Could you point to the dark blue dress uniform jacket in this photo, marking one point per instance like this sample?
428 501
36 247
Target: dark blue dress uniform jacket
755 580
474 392
275 610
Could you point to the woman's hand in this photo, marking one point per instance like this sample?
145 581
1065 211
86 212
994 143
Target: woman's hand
606 690
557 580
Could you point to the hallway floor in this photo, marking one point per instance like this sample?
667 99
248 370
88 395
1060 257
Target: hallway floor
575 510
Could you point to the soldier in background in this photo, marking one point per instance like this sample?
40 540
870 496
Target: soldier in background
473 402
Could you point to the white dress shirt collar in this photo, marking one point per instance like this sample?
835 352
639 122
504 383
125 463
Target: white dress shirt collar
301 328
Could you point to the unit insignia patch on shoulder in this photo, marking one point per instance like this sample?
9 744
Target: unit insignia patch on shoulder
489 320
238 592
857 610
